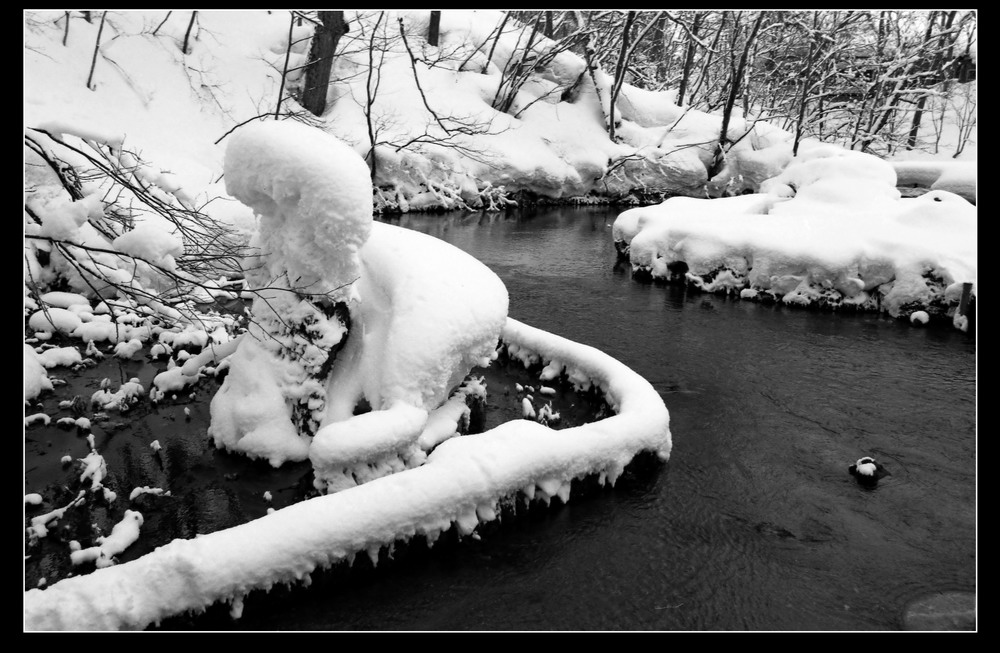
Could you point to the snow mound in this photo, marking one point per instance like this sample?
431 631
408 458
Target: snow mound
831 230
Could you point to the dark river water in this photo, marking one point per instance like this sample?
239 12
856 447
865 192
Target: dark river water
753 524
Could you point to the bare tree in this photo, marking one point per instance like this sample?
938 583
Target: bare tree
625 55
187 34
736 76
689 57
433 28
332 26
371 90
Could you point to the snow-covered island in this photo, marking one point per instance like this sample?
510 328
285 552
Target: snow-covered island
830 231
164 170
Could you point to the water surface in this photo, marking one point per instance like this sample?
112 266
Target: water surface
753 524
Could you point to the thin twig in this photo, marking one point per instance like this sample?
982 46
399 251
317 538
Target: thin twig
162 22
97 44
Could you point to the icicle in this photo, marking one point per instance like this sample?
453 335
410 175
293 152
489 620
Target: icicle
373 554
564 491
486 512
550 486
551 371
614 472
467 522
236 607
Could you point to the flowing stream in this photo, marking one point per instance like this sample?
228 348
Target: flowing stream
753 524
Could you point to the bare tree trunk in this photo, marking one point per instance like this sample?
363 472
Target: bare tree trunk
901 85
165 19
619 74
708 58
434 28
911 140
734 89
807 77
187 34
689 58
623 61
918 113
284 71
371 92
514 74
97 46
489 57
548 24
660 49
320 64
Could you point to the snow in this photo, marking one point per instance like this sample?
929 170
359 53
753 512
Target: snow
527 408
957 177
122 399
156 491
64 299
417 315
427 311
54 319
36 380
128 350
865 466
123 535
37 417
460 483
830 230
152 243
313 195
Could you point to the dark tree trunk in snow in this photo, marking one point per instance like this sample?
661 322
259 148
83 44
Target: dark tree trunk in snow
734 89
187 34
689 58
434 28
321 60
